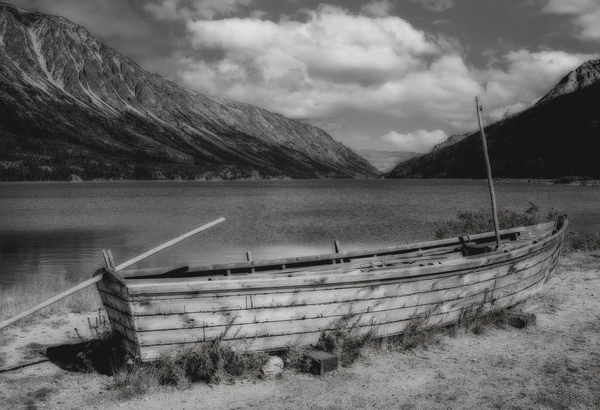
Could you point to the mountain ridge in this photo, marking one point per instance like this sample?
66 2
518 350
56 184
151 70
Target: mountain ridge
559 136
72 107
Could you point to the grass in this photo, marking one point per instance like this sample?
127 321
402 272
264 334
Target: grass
473 221
40 395
211 362
574 242
18 298
350 344
346 340
99 328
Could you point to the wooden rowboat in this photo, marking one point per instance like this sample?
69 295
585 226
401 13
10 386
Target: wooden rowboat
274 304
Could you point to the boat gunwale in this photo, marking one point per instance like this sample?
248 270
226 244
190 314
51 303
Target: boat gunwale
228 284
397 249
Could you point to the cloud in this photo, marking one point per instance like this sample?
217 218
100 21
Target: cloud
332 47
100 18
586 15
529 75
166 10
418 141
334 62
200 9
377 8
504 112
436 5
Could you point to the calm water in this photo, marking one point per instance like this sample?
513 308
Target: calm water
60 228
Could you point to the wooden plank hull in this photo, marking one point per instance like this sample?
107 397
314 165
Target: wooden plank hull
277 304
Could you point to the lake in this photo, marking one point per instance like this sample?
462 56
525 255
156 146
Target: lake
60 228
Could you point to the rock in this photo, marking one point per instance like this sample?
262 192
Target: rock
273 367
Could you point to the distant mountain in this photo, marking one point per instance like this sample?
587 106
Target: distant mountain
73 108
453 139
559 136
386 160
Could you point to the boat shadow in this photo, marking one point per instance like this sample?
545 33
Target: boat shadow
103 356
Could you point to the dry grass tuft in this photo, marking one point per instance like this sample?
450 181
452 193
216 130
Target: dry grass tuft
295 358
18 298
346 340
417 335
476 320
574 242
210 362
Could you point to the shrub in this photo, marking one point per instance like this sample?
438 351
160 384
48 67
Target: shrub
209 362
417 335
481 220
346 340
574 242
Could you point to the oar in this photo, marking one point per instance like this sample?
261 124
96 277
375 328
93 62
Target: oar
98 278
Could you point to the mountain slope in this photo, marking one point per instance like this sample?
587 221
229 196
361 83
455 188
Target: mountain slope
71 107
559 136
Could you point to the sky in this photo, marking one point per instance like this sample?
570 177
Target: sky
375 74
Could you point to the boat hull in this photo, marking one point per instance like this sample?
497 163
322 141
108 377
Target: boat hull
378 292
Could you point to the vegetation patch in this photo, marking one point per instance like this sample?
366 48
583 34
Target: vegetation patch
346 340
574 242
18 298
473 221
210 362
33 397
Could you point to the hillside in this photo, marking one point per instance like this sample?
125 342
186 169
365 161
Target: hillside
559 136
73 108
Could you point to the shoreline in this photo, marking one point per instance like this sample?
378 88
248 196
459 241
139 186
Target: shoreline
553 364
541 181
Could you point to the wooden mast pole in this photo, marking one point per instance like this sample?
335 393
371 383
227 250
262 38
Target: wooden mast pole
98 278
479 108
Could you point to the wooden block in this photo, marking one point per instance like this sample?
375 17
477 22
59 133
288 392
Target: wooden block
321 362
520 319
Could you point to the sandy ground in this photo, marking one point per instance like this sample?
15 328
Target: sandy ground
554 364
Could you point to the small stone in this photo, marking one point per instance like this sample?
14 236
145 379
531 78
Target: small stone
273 367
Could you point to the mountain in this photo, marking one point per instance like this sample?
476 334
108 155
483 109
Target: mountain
557 137
73 108
453 139
385 161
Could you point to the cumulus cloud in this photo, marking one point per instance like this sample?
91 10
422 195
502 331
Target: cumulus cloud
334 61
332 52
436 5
529 75
504 112
377 8
585 14
418 141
